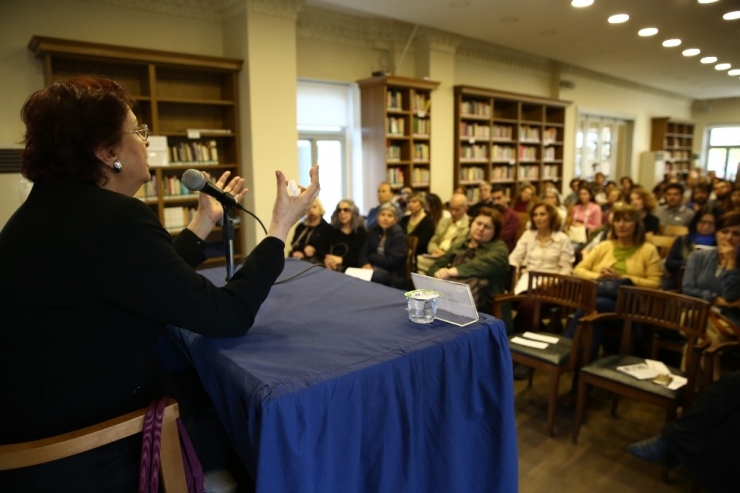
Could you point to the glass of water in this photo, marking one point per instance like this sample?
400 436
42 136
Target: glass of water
422 305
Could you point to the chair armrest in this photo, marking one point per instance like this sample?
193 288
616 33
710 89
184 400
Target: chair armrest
500 299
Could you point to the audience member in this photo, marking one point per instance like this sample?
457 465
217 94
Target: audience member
509 217
612 197
598 188
674 212
627 186
385 249
700 197
624 259
722 190
349 235
485 199
311 237
700 236
692 180
436 208
644 203
525 200
704 439
572 197
448 231
541 248
385 196
552 197
586 212
401 199
417 222
481 259
91 280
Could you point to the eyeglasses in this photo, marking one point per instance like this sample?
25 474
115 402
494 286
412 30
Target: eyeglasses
142 131
344 209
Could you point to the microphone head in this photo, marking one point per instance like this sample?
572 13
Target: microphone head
193 180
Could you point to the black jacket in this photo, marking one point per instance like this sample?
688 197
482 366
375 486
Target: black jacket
393 258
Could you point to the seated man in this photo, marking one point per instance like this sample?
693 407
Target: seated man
449 230
385 195
674 213
510 218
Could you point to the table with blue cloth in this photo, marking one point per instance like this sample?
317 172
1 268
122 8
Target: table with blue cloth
334 389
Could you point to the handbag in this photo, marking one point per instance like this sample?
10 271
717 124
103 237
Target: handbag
150 447
577 234
477 285
609 288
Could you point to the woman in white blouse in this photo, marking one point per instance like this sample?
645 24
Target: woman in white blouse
542 248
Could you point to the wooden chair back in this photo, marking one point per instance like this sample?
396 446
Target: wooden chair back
565 291
662 243
523 219
675 230
411 243
45 450
665 310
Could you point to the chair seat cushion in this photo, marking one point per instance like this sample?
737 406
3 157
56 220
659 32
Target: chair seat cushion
607 368
556 354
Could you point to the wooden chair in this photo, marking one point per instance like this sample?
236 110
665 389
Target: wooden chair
562 291
411 244
652 307
662 243
523 219
45 450
674 230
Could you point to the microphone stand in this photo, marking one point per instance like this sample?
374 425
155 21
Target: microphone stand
227 233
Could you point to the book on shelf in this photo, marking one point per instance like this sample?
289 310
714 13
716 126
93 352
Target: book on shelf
475 108
177 217
195 133
394 100
395 126
395 177
148 191
194 152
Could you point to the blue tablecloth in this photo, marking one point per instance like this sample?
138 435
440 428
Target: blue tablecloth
335 390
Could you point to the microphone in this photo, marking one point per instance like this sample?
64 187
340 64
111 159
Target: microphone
196 182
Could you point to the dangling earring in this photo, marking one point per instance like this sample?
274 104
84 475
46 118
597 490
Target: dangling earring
117 166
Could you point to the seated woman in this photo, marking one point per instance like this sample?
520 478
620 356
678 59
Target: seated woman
525 200
311 237
644 203
481 259
625 257
542 248
713 275
700 236
586 212
417 222
552 196
385 249
348 237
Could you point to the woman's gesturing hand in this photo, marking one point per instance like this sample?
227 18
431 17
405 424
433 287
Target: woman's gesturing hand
288 210
210 210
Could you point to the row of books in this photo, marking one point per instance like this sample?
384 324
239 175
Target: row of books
503 132
393 153
475 108
527 153
420 176
472 173
395 177
421 102
529 172
421 152
503 153
476 130
550 171
421 126
194 152
474 151
549 154
531 134
395 126
177 217
394 99
147 190
173 187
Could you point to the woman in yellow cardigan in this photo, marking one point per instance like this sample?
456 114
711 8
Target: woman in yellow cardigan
623 256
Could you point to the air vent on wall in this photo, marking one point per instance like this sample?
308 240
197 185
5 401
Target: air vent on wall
10 160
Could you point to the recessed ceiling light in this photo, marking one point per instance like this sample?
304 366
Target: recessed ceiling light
708 1
648 31
708 59
618 18
691 52
581 3
722 66
670 43
731 16
734 72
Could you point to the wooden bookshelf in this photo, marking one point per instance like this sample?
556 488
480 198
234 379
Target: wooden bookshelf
677 139
396 128
506 138
174 92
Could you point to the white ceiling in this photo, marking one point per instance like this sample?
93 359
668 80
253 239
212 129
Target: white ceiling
553 29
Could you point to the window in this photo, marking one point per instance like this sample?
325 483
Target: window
723 154
326 126
599 142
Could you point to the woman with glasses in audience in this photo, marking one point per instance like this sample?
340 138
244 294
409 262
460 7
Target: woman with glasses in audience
713 275
311 237
91 280
541 248
384 252
644 203
700 237
347 238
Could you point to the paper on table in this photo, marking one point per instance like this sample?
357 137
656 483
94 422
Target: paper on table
529 342
541 337
364 274
677 382
658 366
640 371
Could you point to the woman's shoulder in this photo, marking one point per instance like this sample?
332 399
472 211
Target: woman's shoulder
559 237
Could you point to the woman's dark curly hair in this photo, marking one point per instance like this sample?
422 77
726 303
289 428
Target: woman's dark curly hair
66 123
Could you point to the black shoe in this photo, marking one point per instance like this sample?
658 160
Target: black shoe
521 372
653 450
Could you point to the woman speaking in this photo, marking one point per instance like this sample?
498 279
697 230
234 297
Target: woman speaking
91 279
